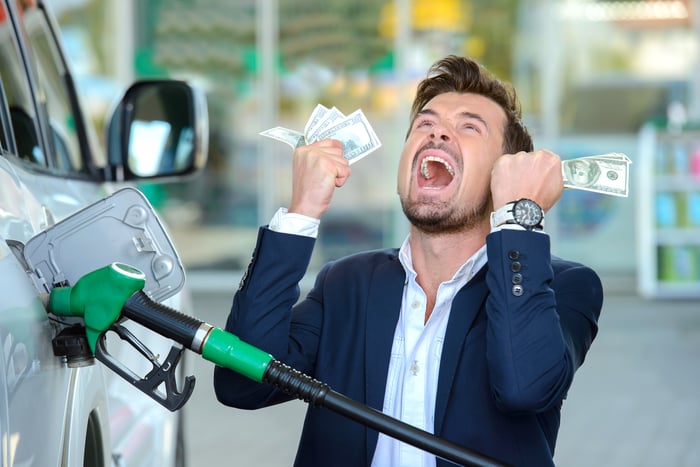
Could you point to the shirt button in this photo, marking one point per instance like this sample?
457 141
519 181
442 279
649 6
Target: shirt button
415 304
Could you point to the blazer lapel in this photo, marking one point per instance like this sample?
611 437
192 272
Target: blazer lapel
465 308
383 308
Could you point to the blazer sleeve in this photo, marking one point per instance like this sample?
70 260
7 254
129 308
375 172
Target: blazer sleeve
542 317
261 315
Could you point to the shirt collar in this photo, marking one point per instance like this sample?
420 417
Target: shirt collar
463 274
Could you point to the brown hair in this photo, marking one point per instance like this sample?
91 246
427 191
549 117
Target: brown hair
463 75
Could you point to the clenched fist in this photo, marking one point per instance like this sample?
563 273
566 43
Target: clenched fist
317 170
534 175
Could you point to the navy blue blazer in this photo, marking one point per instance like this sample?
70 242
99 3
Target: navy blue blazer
516 334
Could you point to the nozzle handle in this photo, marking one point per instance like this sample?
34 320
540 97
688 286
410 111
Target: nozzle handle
182 328
160 384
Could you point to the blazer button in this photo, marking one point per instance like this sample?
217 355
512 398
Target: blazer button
515 266
517 290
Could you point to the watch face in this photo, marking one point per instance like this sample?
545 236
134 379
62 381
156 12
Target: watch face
527 213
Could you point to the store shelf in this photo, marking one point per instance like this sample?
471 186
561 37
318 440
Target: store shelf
678 237
668 213
677 182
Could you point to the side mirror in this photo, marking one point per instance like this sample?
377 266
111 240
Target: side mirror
159 129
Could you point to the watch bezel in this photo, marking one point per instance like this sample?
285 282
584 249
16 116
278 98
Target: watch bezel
517 211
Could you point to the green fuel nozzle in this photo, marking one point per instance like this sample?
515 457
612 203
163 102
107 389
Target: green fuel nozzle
98 298
107 295
103 298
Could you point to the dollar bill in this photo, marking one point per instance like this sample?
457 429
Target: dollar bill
331 116
354 131
291 137
606 173
316 116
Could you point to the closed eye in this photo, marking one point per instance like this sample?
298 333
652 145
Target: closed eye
473 127
475 122
423 122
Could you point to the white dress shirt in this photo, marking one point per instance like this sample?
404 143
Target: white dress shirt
412 379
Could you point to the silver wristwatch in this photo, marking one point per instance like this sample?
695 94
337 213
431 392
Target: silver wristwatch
523 212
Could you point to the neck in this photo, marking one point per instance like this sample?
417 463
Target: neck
437 257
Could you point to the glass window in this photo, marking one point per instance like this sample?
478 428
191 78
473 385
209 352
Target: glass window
18 98
53 95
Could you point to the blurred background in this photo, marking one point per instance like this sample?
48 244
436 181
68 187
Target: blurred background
593 76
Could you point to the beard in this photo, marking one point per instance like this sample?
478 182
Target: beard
443 218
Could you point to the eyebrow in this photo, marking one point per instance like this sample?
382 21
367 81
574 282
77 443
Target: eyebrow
465 114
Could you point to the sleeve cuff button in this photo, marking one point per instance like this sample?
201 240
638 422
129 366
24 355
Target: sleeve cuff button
517 290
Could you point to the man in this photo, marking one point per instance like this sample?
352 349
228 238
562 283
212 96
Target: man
470 330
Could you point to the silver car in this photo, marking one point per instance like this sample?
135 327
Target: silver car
56 410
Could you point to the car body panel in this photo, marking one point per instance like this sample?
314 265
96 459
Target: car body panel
51 411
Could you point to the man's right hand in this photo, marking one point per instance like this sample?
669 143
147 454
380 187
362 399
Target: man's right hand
535 175
317 170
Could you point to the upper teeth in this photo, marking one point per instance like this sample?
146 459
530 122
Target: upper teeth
424 166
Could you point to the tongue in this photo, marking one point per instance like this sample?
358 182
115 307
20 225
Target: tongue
439 176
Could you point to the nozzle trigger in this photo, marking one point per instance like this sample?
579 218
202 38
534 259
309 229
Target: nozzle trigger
160 375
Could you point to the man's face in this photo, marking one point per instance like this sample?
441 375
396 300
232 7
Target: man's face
445 168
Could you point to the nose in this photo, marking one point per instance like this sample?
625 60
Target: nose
440 132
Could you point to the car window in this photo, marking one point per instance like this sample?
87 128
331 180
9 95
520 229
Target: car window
17 100
5 128
53 93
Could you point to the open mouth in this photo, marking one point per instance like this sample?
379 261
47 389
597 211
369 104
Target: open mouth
435 173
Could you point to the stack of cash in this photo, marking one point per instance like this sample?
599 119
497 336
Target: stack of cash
354 131
605 173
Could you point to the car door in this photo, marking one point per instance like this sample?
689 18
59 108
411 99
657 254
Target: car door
52 413
47 408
